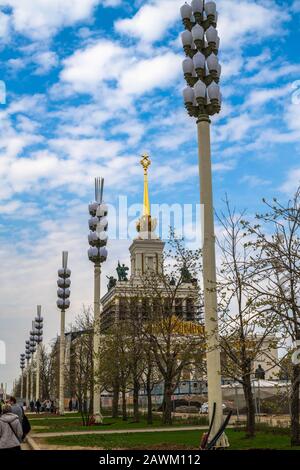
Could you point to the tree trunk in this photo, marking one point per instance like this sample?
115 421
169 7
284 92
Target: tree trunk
295 428
136 388
167 408
149 401
115 402
249 399
124 405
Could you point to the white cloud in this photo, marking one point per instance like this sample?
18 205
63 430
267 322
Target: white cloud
237 128
4 26
98 62
272 74
148 74
248 20
45 61
117 73
292 181
259 97
237 24
151 21
40 19
254 181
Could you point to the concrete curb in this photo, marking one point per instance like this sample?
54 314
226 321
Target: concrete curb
32 444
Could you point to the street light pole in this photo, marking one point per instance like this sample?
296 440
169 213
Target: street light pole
27 354
97 253
32 351
203 99
22 367
63 303
39 340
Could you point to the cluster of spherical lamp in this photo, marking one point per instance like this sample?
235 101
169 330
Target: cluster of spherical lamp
39 339
97 254
63 303
22 367
28 357
63 284
98 225
39 326
201 68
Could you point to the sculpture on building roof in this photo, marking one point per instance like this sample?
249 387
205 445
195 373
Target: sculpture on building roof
186 276
111 282
122 272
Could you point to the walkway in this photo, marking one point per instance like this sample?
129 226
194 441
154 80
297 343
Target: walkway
118 431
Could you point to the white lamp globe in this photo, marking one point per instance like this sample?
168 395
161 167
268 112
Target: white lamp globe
211 34
186 11
188 95
210 8
213 91
188 66
200 89
212 62
187 38
198 33
197 6
199 61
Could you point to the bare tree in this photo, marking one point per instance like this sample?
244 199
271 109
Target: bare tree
245 324
277 252
115 363
174 341
81 357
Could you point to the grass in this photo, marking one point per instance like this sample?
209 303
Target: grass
68 425
188 440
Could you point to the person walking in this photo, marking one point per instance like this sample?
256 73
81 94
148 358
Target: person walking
48 406
10 430
31 404
16 409
37 406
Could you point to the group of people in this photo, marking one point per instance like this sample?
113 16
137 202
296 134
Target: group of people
47 406
13 425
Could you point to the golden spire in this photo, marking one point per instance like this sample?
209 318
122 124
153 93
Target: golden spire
146 162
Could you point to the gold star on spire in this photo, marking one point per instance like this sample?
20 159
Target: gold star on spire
146 162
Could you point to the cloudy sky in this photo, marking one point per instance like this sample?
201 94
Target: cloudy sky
90 86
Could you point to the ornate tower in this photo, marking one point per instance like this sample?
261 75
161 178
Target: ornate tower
147 249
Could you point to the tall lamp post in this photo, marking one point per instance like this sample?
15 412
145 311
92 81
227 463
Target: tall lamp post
28 356
202 99
32 351
39 340
22 367
63 303
97 253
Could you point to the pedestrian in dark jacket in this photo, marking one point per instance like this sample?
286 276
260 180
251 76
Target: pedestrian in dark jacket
10 430
37 406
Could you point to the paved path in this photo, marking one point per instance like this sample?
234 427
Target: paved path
25 446
118 431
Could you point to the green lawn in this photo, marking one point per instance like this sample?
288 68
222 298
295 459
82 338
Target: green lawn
67 425
173 440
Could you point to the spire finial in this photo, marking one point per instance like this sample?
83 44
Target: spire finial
146 162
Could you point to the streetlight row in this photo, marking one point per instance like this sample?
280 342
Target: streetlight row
32 346
97 253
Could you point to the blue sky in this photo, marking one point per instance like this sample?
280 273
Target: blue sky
90 86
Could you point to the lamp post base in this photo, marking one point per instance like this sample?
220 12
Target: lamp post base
223 442
98 418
